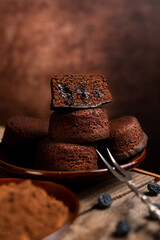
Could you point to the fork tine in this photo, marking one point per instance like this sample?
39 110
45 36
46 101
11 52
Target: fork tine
104 160
113 171
124 172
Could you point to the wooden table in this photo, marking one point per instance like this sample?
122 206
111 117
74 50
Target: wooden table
93 223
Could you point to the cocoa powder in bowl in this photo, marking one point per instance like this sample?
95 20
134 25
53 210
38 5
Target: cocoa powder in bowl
27 212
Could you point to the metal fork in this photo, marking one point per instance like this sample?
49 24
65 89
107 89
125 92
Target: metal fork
125 176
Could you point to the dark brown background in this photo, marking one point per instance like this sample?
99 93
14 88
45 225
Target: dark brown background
119 39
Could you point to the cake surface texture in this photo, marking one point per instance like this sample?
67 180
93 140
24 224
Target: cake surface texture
126 137
21 136
80 126
79 91
65 156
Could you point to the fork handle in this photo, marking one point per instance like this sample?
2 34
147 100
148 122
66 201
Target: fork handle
152 208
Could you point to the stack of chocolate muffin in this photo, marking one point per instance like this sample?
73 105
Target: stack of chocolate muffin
76 124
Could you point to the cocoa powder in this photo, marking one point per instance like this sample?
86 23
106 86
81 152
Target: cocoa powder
27 212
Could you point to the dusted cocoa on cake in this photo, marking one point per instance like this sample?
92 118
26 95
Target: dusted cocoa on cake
79 91
20 138
65 156
127 138
80 126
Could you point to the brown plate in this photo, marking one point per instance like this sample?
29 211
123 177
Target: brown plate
65 176
59 192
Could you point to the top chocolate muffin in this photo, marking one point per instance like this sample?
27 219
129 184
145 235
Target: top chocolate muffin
79 91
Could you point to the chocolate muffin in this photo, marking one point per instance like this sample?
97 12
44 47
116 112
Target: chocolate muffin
65 156
79 91
81 126
127 138
20 139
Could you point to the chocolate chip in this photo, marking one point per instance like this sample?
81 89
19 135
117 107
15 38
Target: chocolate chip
83 92
66 93
97 92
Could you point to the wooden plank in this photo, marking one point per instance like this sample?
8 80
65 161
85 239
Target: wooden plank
96 224
88 195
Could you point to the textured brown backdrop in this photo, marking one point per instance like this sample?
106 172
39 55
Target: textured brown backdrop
120 39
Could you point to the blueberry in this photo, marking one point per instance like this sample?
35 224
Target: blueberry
104 200
153 188
123 228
